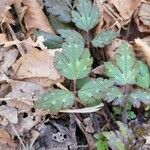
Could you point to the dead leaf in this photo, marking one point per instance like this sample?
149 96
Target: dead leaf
23 94
9 113
126 8
7 58
142 18
36 64
34 17
4 14
145 48
5 138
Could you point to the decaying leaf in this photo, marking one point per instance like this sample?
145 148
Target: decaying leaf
4 7
29 66
143 19
5 138
23 94
144 48
126 8
7 58
34 17
9 113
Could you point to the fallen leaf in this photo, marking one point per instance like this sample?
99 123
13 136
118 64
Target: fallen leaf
144 48
4 7
5 138
7 58
23 94
126 8
36 64
9 113
33 16
142 18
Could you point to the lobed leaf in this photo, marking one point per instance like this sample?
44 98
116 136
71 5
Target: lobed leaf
124 69
91 92
86 16
143 77
104 38
74 62
71 35
139 96
59 8
56 100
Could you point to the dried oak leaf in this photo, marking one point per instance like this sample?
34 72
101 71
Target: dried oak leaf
36 64
9 113
33 16
126 8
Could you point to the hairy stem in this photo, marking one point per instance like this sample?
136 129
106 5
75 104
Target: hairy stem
74 87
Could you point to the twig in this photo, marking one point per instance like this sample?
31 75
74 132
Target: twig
24 147
15 39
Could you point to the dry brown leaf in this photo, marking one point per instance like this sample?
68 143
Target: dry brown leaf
7 58
9 113
5 138
4 7
23 94
142 18
36 64
126 8
145 48
34 17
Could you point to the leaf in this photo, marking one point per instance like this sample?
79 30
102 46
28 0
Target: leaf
113 94
56 100
74 61
124 69
143 77
33 16
86 16
71 35
57 24
59 8
50 41
139 96
30 64
91 92
81 82
120 140
104 38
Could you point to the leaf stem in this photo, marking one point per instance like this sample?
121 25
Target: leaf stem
74 87
124 113
88 39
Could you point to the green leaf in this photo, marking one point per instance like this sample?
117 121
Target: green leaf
104 38
56 100
92 90
143 77
50 41
71 35
101 142
114 94
86 16
124 69
59 8
138 96
121 139
74 62
81 83
131 115
57 24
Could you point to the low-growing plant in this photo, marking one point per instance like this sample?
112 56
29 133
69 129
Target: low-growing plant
128 78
